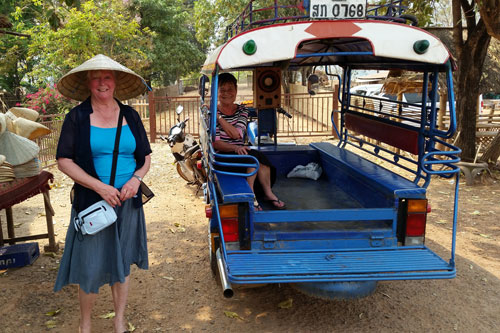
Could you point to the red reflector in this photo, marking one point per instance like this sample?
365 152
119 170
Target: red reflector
198 165
415 225
208 211
230 229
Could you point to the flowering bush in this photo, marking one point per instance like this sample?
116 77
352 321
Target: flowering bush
48 101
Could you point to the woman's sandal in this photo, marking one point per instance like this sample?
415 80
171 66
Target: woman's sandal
276 204
256 206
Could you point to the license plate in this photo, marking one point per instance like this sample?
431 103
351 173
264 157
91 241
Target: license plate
337 9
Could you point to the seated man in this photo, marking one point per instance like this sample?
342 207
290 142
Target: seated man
231 127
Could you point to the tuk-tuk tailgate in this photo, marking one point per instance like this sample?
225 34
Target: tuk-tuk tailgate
323 266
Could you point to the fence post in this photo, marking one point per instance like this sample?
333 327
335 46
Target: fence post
152 117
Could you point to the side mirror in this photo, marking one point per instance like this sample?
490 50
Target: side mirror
313 84
201 86
179 110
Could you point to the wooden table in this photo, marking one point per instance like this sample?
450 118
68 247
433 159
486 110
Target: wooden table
17 191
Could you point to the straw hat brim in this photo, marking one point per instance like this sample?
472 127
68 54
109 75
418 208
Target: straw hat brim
17 150
74 84
25 113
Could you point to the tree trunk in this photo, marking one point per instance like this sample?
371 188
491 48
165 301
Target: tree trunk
492 151
470 62
305 72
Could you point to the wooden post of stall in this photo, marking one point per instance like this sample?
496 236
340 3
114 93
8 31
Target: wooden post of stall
49 212
152 117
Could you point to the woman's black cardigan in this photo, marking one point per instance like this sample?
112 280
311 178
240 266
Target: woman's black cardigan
74 143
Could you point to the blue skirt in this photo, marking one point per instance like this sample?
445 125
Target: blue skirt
94 260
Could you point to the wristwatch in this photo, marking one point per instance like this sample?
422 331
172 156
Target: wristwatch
138 177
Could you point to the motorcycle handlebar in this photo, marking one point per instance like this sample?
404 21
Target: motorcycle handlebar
283 112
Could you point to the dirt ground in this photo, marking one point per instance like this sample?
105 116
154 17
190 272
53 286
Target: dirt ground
178 292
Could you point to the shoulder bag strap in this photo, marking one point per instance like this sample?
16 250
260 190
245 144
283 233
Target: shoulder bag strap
115 150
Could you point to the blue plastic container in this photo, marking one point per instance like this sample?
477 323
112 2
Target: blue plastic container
18 255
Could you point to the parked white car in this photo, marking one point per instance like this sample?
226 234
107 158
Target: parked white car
366 90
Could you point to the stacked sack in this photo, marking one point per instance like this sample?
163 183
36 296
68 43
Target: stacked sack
18 127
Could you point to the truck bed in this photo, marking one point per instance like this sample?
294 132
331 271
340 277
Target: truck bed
305 194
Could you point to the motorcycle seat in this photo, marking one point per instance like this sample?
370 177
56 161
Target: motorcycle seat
191 150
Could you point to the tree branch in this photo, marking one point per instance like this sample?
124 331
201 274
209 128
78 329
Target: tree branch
490 13
14 33
469 13
458 37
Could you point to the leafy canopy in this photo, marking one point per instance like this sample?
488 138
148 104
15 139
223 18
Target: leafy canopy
105 27
175 51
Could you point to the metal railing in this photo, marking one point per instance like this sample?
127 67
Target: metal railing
264 12
311 117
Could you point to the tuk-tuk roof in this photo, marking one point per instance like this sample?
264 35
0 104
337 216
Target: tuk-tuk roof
363 44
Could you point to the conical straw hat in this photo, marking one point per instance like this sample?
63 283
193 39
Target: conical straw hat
6 172
9 118
28 169
74 84
25 113
29 129
3 123
17 150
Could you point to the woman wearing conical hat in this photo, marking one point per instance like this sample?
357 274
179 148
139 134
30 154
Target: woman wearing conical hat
84 153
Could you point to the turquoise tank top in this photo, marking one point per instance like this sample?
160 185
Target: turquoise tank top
102 142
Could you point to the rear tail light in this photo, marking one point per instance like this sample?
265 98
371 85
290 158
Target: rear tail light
416 219
230 229
229 221
198 165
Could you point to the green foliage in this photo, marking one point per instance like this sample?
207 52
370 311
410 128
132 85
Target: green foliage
211 18
423 10
48 100
175 51
13 49
98 27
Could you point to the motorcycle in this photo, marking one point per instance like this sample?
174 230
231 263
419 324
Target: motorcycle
186 151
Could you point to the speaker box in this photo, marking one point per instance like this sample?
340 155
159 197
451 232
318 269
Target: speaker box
267 87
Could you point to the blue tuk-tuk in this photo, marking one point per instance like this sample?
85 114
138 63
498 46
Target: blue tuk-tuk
364 219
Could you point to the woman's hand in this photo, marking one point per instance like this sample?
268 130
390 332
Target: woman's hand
130 189
241 150
109 193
